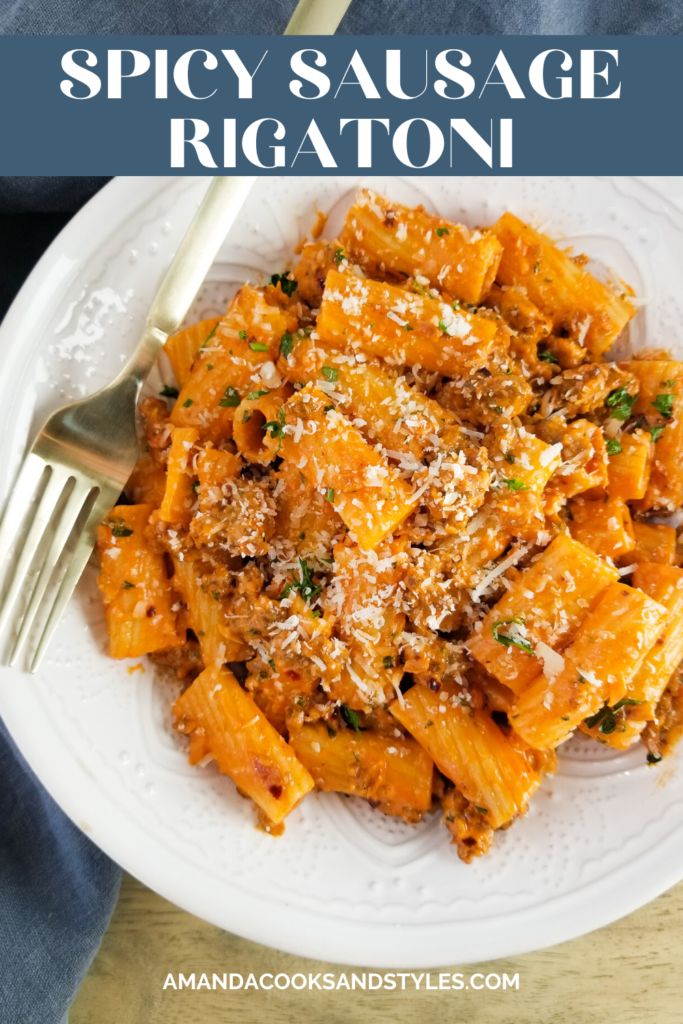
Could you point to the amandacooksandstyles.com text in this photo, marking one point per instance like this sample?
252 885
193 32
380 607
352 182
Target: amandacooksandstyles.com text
351 981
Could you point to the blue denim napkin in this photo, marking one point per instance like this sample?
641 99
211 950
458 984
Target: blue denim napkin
57 893
367 17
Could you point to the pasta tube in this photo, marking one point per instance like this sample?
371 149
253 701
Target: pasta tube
660 402
395 774
179 497
655 542
249 425
366 492
378 319
545 605
581 307
236 359
402 418
605 656
629 466
138 603
147 483
183 346
208 613
224 723
472 751
621 726
384 236
604 525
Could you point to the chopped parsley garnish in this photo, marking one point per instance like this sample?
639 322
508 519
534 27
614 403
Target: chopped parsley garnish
258 346
482 810
513 637
209 336
306 588
276 428
515 485
253 395
329 494
339 255
606 720
620 403
664 404
388 661
546 356
442 327
188 402
442 231
119 528
509 457
330 373
286 344
243 335
231 398
656 431
127 585
287 283
671 383
613 446
169 391
351 717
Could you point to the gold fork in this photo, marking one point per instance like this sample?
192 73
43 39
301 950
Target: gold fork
80 461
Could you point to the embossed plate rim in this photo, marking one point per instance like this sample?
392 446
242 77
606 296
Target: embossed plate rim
288 926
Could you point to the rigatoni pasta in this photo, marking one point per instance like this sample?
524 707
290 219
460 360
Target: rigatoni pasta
134 584
399 527
540 612
582 308
224 724
395 774
595 670
385 237
358 314
470 750
620 726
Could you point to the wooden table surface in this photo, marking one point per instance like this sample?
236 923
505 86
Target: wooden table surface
628 972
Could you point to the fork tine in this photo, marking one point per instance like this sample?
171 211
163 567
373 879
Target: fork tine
68 517
42 517
21 495
83 548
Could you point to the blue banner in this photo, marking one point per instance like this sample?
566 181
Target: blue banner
306 105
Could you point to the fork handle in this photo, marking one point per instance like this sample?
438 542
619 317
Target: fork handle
317 17
217 212
198 249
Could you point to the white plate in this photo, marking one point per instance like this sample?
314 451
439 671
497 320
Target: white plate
344 883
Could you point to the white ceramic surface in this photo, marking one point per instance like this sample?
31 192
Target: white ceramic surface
344 883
